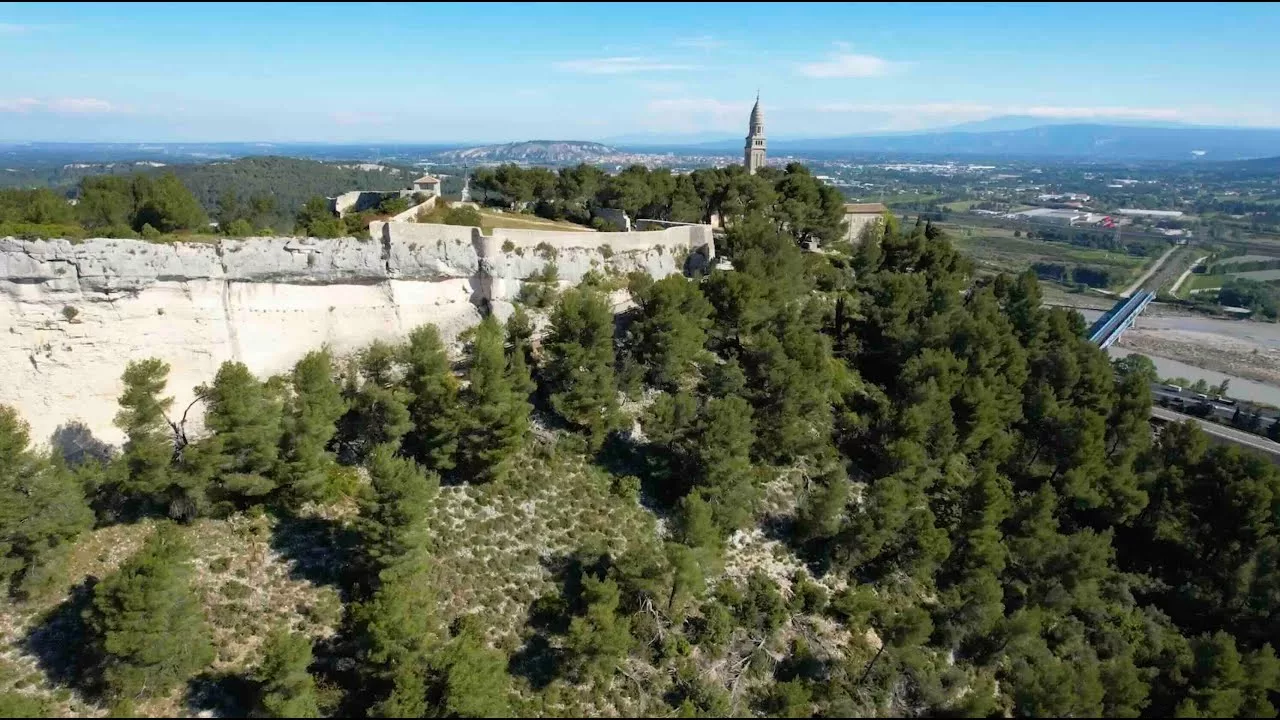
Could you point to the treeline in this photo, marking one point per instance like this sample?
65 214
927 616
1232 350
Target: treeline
1262 298
1101 240
1221 267
110 206
1088 275
793 198
287 182
995 529
245 197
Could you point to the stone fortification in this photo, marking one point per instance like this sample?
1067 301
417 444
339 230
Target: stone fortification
72 314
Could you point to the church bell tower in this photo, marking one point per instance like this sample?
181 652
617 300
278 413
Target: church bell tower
753 153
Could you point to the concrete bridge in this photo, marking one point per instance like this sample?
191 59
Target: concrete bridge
1108 329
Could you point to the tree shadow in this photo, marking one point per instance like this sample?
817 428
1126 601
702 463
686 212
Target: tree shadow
621 455
320 551
61 642
815 553
223 694
336 667
538 662
75 442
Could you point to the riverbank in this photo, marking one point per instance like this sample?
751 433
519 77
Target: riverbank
1208 351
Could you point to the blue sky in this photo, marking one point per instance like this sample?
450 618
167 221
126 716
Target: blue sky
497 72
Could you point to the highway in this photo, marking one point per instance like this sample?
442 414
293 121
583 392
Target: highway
1187 399
1230 434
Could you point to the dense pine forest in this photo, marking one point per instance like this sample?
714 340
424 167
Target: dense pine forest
849 483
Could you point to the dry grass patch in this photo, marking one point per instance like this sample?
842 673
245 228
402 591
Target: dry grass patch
495 545
246 586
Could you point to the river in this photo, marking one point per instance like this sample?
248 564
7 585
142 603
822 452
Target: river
1263 334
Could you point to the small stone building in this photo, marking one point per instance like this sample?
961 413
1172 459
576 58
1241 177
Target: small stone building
428 185
860 216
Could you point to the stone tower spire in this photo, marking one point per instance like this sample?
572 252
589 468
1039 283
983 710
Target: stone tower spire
753 152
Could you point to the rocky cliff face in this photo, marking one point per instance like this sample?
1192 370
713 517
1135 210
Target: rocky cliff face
73 314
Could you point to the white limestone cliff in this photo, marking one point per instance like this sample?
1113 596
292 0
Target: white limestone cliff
72 314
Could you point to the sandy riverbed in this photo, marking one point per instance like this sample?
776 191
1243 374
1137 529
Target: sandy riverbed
1210 351
1236 348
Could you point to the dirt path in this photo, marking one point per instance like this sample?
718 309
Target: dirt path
1186 274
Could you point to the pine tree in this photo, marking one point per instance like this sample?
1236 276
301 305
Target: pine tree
519 332
310 422
722 456
519 327
497 417
41 509
1218 680
148 447
398 631
471 678
393 515
580 359
287 689
670 334
599 638
434 408
147 623
377 406
244 415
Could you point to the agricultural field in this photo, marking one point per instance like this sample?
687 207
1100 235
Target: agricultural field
1215 280
1241 259
1257 275
998 250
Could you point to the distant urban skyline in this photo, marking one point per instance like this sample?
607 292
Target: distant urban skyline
502 72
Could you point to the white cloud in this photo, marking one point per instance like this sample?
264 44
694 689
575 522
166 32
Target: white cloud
702 42
80 105
618 65
61 106
845 64
696 114
18 104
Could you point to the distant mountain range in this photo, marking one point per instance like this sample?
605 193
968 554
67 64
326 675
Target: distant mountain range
1019 136
532 151
1083 142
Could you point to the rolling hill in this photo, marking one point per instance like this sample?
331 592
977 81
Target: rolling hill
532 151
